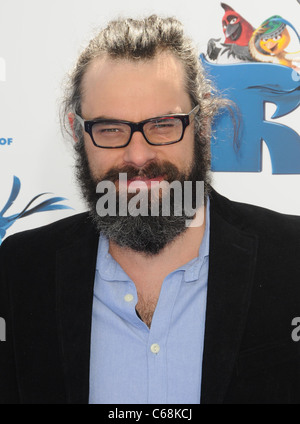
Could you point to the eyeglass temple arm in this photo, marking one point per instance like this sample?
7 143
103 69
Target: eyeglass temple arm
195 110
79 119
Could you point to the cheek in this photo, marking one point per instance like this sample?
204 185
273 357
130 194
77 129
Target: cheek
182 153
100 160
189 145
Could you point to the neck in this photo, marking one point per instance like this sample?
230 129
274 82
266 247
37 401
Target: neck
149 272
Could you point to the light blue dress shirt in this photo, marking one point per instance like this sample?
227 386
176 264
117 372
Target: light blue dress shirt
132 364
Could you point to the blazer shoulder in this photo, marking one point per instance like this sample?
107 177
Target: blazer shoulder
53 235
258 220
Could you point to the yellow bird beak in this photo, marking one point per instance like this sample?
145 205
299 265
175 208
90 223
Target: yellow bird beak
271 45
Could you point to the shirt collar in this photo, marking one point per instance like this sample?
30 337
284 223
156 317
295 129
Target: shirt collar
110 270
193 268
107 266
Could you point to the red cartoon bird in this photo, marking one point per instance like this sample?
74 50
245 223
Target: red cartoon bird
236 29
238 33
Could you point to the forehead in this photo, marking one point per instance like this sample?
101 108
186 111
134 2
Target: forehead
149 86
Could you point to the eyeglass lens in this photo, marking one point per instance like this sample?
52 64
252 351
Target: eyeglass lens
116 134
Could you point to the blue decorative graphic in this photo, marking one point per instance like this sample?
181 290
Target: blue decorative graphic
47 205
250 86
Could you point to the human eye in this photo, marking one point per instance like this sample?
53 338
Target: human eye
163 124
109 129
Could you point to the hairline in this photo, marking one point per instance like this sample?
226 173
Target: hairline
132 60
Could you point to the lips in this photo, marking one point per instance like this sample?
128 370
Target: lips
136 182
144 179
153 173
139 182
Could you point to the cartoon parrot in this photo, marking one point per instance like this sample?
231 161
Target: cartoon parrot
269 41
238 33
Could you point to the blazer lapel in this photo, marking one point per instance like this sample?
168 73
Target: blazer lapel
232 265
75 273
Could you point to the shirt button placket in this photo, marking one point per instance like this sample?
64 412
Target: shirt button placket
157 374
129 298
155 348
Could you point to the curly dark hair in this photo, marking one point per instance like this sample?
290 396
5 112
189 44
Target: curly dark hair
142 40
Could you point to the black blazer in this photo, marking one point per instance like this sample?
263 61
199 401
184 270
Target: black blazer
46 295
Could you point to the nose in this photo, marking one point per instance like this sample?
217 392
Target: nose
139 153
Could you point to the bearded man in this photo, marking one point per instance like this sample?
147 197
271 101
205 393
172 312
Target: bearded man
142 308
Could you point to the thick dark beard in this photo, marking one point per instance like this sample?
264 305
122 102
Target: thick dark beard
143 234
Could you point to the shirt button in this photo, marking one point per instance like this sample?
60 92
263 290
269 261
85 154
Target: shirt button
128 298
155 348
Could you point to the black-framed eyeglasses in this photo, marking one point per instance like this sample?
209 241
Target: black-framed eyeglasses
160 131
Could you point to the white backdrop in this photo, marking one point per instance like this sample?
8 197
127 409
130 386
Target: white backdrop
39 44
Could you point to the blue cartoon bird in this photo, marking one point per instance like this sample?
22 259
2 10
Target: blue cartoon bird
47 205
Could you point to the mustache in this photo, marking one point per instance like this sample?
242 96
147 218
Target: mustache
167 169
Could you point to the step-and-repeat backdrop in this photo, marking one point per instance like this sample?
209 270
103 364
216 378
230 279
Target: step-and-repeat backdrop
251 50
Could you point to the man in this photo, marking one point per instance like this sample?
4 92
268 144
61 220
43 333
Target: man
146 309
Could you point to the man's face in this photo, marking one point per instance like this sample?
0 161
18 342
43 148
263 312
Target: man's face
130 91
136 91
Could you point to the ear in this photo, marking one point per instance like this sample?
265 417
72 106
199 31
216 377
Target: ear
227 8
71 118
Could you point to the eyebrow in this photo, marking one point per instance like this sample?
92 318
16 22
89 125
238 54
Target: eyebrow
109 118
